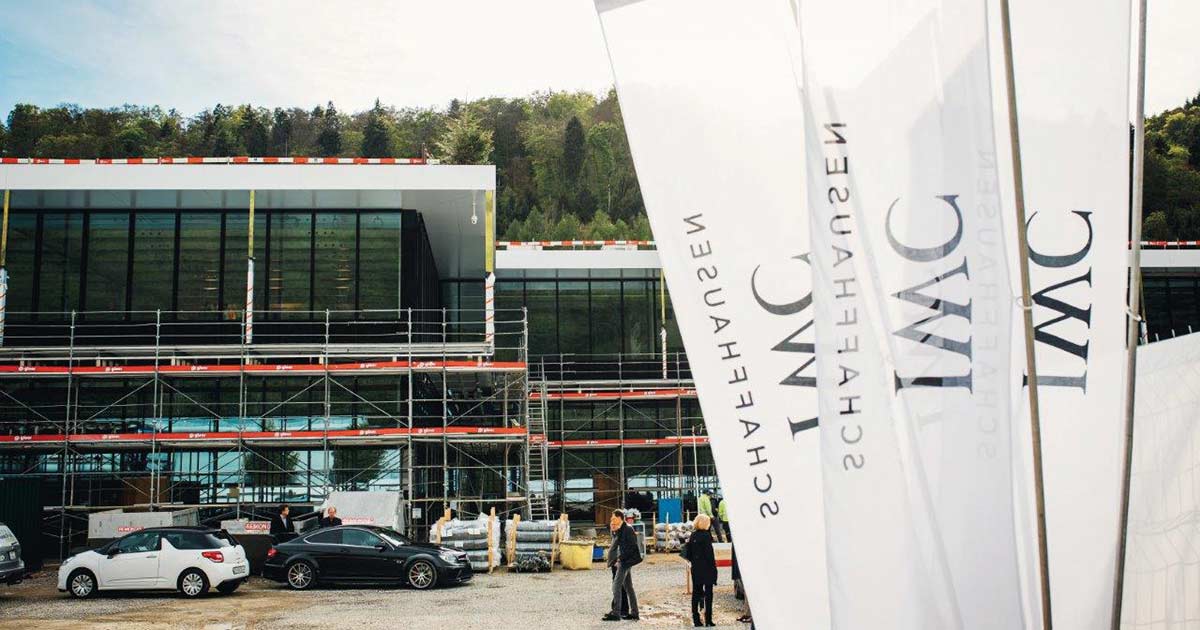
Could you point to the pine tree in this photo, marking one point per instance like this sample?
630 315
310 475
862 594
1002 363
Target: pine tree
377 138
573 149
281 133
330 140
24 129
465 141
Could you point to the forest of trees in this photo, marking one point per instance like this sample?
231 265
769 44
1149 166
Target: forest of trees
562 158
1171 203
562 161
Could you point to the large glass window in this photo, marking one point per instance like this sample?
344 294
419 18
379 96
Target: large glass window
289 273
335 261
639 304
200 261
107 261
22 243
573 318
62 246
195 261
153 260
606 317
541 300
379 261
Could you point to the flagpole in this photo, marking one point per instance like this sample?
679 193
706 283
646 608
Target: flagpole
1027 311
1135 319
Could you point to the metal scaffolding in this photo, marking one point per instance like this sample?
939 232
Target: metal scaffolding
158 409
622 431
168 409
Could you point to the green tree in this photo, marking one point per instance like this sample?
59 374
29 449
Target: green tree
568 228
132 142
573 149
1155 227
225 145
377 138
639 229
535 227
1193 146
465 141
514 230
330 140
281 132
255 136
24 129
602 228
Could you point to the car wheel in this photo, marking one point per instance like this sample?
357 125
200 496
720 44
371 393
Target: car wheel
82 584
228 587
422 575
301 575
192 583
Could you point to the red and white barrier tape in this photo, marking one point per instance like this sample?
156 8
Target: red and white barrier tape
223 160
1146 244
583 243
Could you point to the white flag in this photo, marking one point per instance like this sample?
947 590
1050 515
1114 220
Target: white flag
1071 61
711 107
1163 560
914 315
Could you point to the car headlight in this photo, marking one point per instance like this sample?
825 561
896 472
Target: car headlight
449 556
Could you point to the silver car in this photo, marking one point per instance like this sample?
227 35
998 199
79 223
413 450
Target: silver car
12 568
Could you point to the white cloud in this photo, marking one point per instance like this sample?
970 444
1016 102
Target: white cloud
191 54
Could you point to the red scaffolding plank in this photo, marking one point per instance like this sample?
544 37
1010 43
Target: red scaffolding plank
664 441
255 368
209 436
634 394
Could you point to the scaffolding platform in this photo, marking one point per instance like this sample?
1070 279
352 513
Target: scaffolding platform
290 439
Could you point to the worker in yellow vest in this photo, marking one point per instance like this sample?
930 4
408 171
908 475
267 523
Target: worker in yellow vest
704 506
723 519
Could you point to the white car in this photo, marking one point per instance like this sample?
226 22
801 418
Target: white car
187 559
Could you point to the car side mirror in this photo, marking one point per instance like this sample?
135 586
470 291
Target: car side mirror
381 547
112 552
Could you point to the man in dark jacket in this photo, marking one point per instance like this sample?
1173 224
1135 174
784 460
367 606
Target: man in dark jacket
624 555
703 568
330 519
280 523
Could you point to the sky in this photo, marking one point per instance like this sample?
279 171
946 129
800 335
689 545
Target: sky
192 54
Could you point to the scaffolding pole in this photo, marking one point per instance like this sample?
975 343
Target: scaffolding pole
248 313
4 266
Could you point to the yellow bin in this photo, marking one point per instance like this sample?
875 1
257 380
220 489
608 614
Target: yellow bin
575 555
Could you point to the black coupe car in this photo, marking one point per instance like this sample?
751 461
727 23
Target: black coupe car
364 554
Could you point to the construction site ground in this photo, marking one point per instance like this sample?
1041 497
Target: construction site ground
562 599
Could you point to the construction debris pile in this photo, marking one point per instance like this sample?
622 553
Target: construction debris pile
480 538
670 537
533 545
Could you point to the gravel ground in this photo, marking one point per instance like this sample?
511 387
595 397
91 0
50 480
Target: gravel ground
563 599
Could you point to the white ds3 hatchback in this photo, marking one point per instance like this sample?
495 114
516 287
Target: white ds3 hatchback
187 559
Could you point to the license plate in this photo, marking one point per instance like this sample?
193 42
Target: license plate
239 569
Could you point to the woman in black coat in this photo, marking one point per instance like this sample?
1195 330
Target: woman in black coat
704 570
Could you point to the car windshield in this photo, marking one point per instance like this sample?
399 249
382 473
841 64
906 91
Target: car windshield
392 536
6 535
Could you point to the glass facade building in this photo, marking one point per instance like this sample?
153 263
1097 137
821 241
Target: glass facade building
192 263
